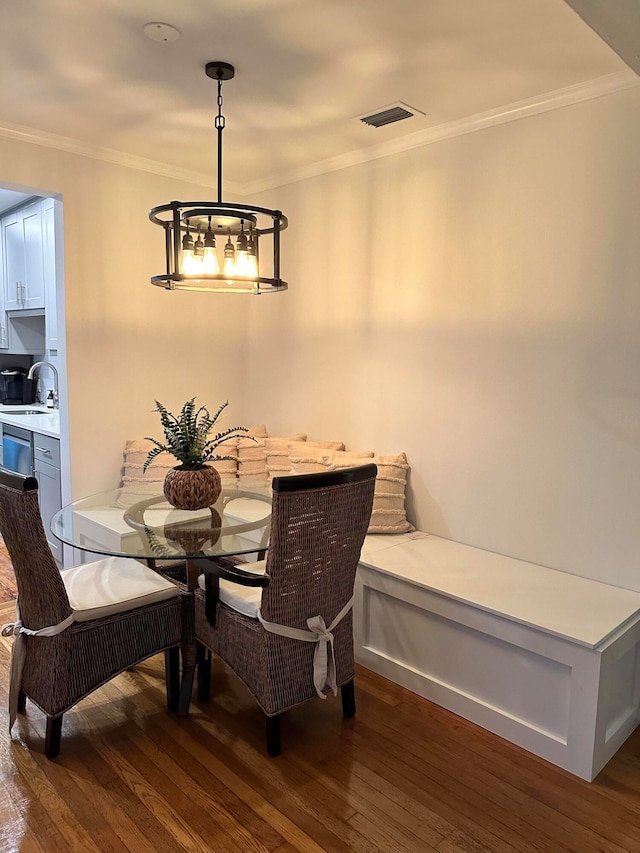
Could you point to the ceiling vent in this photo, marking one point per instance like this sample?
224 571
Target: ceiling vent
387 115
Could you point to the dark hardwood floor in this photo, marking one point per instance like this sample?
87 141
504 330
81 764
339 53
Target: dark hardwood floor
403 775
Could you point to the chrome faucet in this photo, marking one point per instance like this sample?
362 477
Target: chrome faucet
54 369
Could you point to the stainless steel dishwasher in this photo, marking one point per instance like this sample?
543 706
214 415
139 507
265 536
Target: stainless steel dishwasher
17 449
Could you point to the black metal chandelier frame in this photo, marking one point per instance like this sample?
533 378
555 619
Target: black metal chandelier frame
208 220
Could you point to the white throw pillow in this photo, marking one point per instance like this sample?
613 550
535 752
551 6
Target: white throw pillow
389 514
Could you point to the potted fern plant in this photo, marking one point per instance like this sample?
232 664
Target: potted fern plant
193 484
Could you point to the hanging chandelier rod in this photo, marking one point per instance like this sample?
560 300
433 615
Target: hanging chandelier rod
220 71
219 123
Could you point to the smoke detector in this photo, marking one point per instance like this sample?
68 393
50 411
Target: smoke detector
157 31
387 115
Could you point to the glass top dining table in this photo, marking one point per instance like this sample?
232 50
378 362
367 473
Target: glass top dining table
132 522
139 523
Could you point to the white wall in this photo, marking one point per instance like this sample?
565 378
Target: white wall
476 303
127 342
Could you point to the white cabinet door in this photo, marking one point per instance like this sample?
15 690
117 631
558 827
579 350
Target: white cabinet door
48 477
32 234
24 258
46 464
13 244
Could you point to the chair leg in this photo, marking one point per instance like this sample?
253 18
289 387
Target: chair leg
52 736
172 677
22 701
186 687
204 673
348 693
273 735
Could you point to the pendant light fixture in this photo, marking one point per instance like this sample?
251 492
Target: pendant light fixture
216 246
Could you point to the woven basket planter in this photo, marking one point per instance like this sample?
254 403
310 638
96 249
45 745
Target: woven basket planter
192 489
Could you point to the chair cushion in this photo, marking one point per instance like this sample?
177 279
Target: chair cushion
113 585
243 599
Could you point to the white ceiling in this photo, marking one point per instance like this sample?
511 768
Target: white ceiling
305 70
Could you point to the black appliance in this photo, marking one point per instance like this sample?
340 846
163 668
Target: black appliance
15 388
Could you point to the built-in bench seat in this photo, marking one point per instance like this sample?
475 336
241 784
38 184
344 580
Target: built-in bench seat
546 659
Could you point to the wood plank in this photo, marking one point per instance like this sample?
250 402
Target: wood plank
485 789
273 788
75 761
202 786
405 821
120 754
196 805
334 842
581 801
45 787
125 829
403 775
415 791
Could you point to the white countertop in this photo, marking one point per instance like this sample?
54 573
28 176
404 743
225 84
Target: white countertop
46 423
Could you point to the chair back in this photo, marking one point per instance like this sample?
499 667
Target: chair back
318 525
42 595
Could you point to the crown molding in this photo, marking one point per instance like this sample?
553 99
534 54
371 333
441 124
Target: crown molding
567 96
110 155
575 94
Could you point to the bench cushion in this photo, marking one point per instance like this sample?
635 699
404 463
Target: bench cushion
579 609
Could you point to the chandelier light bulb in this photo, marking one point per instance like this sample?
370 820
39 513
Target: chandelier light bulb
246 260
252 258
189 264
242 264
210 264
198 246
229 266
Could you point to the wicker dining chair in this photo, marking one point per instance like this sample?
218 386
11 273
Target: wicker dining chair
77 629
284 625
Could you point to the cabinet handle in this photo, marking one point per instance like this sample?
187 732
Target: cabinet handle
44 450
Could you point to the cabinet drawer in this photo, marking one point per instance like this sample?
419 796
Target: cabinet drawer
46 449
